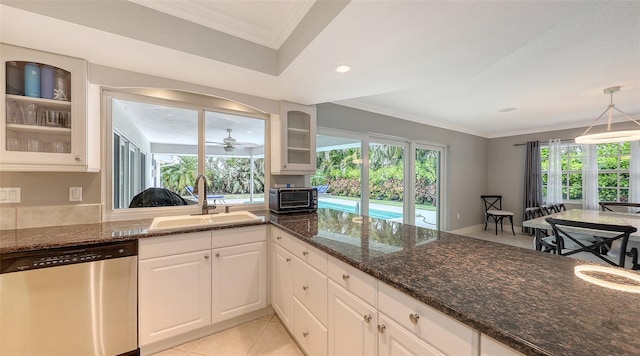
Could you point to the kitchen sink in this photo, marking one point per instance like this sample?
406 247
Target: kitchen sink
186 221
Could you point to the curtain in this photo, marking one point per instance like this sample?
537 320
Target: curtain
634 174
554 182
590 177
532 180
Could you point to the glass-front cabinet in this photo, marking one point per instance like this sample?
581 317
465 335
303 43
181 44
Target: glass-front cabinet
44 124
294 140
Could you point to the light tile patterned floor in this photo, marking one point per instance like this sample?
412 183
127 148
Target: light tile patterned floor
264 336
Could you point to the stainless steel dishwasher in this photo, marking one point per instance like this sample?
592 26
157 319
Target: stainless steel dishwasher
70 301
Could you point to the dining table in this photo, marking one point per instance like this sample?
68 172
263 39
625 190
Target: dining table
540 225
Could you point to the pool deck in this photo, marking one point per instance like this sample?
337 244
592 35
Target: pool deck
424 218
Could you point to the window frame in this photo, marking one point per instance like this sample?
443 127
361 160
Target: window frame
566 174
180 99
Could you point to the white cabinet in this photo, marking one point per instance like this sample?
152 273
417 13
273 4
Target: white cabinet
444 333
190 281
491 347
396 340
293 138
174 295
239 280
310 288
282 284
40 131
308 330
351 323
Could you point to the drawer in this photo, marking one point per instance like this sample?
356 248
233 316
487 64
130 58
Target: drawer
308 331
174 244
310 287
353 280
281 238
309 254
437 329
238 236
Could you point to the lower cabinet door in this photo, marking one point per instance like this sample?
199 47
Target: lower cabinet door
174 295
308 330
393 339
239 280
351 323
282 284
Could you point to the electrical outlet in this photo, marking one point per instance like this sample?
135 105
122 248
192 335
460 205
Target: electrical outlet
9 195
75 193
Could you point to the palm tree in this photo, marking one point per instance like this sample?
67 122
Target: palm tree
179 175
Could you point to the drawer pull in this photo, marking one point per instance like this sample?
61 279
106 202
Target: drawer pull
217 255
345 277
414 318
206 257
305 334
367 318
278 237
305 252
305 288
288 259
381 328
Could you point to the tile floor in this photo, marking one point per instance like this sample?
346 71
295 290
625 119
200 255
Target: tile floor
267 335
264 336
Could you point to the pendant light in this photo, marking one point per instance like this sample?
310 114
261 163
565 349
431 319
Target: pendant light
610 136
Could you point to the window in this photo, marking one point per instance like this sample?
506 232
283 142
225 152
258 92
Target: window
613 171
161 143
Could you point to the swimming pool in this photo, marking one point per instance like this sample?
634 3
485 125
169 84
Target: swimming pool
374 213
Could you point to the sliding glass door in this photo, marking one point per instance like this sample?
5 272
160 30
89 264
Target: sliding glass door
427 197
387 179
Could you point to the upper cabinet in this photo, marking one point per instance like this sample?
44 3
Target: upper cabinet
45 125
294 140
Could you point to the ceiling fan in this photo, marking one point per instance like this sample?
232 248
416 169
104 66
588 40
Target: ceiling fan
229 143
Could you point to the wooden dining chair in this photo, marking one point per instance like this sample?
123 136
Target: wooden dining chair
606 234
493 210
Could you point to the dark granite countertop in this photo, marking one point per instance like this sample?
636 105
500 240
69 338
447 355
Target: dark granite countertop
529 300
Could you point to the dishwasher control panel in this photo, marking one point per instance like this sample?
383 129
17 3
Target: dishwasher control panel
31 260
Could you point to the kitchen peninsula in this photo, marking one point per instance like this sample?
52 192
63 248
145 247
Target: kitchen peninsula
528 300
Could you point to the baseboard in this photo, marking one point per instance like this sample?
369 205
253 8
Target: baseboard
202 332
468 229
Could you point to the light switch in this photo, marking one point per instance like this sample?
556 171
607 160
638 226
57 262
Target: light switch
75 193
9 195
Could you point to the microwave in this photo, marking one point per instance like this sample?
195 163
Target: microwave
293 200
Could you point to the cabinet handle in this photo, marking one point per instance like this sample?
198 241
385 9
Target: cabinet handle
345 276
288 259
381 328
305 288
78 158
206 257
414 318
278 237
305 334
367 318
217 255
305 252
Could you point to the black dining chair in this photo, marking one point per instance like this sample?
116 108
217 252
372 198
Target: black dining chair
547 242
493 210
605 234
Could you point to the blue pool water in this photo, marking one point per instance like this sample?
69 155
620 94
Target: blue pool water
374 213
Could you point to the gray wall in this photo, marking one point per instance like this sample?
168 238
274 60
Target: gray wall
467 158
506 165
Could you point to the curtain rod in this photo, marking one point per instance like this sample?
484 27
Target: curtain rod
562 140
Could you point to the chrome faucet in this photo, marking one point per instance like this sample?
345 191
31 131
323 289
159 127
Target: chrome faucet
205 205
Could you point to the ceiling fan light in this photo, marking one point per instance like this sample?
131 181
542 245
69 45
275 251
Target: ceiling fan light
229 148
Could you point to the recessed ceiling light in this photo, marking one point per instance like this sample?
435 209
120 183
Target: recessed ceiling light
507 109
342 68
